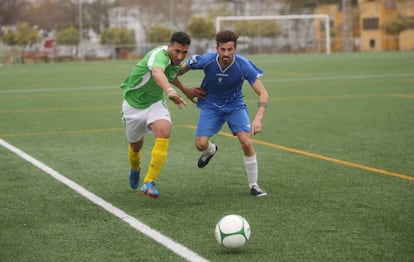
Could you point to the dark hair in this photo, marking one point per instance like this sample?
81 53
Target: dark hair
225 36
181 38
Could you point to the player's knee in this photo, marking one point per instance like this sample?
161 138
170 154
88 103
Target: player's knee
201 145
247 147
136 146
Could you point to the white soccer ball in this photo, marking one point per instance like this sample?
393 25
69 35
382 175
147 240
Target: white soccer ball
232 231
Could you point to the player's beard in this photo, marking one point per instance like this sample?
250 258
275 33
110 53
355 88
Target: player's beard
176 61
226 60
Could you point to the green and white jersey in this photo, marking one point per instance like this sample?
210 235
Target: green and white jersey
139 89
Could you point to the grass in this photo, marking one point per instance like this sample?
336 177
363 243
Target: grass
336 156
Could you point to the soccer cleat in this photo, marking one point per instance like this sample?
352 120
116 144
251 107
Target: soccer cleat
257 191
205 158
134 178
149 189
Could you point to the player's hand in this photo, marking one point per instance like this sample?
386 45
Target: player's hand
256 127
194 92
175 97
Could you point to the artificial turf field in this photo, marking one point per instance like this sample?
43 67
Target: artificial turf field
336 157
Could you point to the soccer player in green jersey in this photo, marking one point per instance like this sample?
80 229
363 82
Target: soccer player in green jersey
144 108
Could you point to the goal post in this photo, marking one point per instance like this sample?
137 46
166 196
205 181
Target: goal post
324 17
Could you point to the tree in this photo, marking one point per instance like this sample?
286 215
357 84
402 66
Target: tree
96 14
118 36
173 13
265 28
11 11
201 27
52 14
159 34
24 34
68 36
10 37
220 10
59 14
396 25
27 34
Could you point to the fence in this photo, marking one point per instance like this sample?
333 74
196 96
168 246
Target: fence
254 45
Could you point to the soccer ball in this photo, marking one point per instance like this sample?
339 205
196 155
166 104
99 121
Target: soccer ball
232 231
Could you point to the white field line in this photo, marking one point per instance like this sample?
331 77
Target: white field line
343 77
59 89
175 247
274 79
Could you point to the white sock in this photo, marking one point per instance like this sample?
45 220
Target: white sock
250 164
211 148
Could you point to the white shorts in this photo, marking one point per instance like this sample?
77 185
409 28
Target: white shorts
136 120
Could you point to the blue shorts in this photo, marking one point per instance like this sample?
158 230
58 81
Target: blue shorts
211 120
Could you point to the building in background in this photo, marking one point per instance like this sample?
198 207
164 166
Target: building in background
361 25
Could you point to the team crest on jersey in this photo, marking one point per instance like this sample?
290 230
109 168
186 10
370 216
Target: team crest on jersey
220 77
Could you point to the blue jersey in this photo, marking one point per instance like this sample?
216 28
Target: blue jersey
223 86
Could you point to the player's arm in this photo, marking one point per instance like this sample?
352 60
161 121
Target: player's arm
190 93
161 79
183 69
263 100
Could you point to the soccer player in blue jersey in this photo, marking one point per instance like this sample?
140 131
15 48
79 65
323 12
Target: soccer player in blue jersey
224 74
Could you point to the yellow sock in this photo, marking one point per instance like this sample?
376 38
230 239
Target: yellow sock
158 156
134 159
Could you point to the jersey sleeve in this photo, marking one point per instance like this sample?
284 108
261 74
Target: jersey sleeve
252 72
199 61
